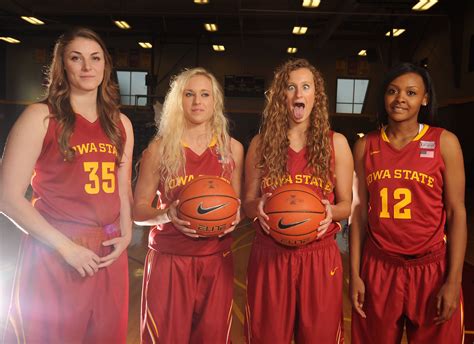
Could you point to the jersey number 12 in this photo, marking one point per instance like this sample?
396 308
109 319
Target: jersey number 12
400 210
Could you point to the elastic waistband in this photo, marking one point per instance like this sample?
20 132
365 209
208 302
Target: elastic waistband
312 246
437 254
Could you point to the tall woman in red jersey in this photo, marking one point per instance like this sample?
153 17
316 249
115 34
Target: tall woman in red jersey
408 232
296 291
72 282
188 281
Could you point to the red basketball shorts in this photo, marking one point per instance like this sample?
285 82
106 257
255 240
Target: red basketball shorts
187 299
402 292
295 292
52 303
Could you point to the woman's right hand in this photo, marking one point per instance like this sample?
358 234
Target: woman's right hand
179 224
261 216
83 260
357 288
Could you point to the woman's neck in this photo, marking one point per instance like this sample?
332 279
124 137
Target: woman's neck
197 135
85 104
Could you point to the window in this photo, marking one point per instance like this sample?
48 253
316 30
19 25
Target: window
351 95
131 84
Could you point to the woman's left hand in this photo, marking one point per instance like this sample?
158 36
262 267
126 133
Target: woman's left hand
119 245
234 223
447 301
324 224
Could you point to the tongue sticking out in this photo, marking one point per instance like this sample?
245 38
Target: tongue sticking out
298 111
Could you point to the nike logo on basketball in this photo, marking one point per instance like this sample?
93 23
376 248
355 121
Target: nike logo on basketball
282 225
201 210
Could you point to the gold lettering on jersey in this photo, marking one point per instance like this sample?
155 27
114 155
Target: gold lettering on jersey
305 179
91 147
417 176
180 181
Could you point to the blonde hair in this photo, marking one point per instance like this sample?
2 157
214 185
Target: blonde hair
58 95
172 125
274 144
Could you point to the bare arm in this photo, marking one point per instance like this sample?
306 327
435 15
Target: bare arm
236 181
344 170
454 187
144 213
253 200
358 227
125 191
23 148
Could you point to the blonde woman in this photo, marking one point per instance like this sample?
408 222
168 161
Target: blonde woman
72 281
188 282
296 292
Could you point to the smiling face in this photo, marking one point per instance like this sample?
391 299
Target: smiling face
84 64
198 100
404 97
300 93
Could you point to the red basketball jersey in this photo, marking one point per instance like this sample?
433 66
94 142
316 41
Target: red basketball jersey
83 191
405 186
166 238
299 173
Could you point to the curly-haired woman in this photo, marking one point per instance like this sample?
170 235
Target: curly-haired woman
72 282
296 291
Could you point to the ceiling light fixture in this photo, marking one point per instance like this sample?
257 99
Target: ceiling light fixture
291 50
218 47
201 2
395 32
210 27
424 5
145 45
32 20
311 3
362 53
122 24
10 40
299 30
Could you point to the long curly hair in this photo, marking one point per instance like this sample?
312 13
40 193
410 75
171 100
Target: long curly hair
274 144
172 125
58 94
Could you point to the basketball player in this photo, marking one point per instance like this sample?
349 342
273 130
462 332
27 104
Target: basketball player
188 281
408 232
71 282
296 291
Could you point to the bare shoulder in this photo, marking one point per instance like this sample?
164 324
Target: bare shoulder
236 146
339 139
125 121
449 143
35 115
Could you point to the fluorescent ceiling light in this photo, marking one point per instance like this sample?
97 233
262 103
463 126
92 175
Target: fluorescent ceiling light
424 5
122 24
311 3
299 30
201 2
32 20
9 40
396 32
210 27
145 45
291 50
360 134
362 53
218 47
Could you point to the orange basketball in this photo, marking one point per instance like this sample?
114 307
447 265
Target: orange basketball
209 203
295 212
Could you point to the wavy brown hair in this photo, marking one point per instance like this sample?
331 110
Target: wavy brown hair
274 144
58 95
